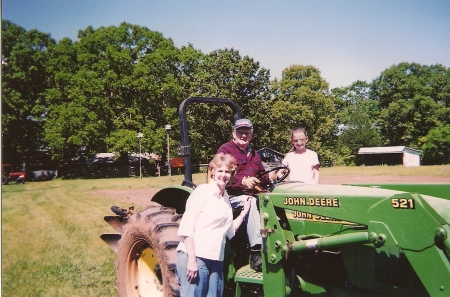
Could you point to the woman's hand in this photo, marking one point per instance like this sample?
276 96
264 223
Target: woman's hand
246 203
192 269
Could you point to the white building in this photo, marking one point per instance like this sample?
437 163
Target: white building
390 155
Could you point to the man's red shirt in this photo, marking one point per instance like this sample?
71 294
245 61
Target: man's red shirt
248 164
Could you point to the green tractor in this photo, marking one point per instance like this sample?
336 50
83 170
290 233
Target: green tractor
321 240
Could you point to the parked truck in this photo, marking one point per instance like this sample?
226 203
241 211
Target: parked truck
318 240
8 174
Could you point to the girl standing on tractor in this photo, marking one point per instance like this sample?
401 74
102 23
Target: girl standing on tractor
302 162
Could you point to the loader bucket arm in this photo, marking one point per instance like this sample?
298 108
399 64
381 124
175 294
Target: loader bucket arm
410 223
184 148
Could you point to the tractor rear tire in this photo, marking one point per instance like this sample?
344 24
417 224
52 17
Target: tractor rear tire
146 257
4 180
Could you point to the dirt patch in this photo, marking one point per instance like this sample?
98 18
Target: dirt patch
141 197
350 179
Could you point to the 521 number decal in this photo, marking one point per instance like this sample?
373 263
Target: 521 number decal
402 203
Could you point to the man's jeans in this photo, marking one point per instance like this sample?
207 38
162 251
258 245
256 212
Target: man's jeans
251 220
209 280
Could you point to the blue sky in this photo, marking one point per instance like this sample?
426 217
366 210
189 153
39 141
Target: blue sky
347 40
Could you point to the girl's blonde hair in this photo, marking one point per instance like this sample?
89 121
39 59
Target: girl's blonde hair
220 159
294 130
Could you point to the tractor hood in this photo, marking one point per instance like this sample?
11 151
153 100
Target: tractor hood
441 206
360 193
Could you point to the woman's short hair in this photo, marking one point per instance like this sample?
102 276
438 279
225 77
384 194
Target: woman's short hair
220 159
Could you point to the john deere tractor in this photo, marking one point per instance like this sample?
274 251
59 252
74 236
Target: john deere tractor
324 240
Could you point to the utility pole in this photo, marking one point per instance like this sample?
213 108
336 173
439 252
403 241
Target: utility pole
167 128
139 136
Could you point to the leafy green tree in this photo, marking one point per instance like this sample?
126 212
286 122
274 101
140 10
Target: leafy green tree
301 98
24 81
356 119
413 99
73 128
117 81
436 146
223 73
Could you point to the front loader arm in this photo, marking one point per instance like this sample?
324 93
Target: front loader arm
316 220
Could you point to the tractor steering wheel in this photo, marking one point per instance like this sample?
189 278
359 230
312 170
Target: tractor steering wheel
278 180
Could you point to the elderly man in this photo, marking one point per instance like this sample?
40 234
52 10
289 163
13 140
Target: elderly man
249 166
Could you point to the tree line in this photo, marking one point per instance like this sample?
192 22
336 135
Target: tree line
96 93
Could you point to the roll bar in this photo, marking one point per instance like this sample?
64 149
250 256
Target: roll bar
184 150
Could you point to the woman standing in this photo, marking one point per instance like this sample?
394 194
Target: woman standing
207 220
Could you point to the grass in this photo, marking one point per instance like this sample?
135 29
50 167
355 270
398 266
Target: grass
50 241
439 170
50 236
50 231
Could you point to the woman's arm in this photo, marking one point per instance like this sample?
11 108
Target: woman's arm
192 266
238 221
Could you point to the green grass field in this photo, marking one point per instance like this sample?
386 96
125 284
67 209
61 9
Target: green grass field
50 231
441 170
50 236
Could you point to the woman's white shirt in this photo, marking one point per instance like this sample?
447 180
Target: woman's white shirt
208 219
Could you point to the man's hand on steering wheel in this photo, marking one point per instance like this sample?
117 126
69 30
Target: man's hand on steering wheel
276 175
250 182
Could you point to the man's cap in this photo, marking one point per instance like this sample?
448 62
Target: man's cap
243 123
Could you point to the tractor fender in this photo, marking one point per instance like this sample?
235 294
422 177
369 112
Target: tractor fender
174 197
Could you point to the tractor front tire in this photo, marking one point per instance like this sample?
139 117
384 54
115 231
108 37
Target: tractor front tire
146 257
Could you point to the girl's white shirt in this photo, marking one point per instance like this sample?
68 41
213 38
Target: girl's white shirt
301 165
208 219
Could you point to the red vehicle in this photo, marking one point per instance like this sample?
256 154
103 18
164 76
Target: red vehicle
8 174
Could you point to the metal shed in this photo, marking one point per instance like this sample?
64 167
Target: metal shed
390 155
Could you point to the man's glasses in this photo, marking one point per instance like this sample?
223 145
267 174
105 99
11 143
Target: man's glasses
244 132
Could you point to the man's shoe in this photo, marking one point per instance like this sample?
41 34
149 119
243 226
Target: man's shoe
255 261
